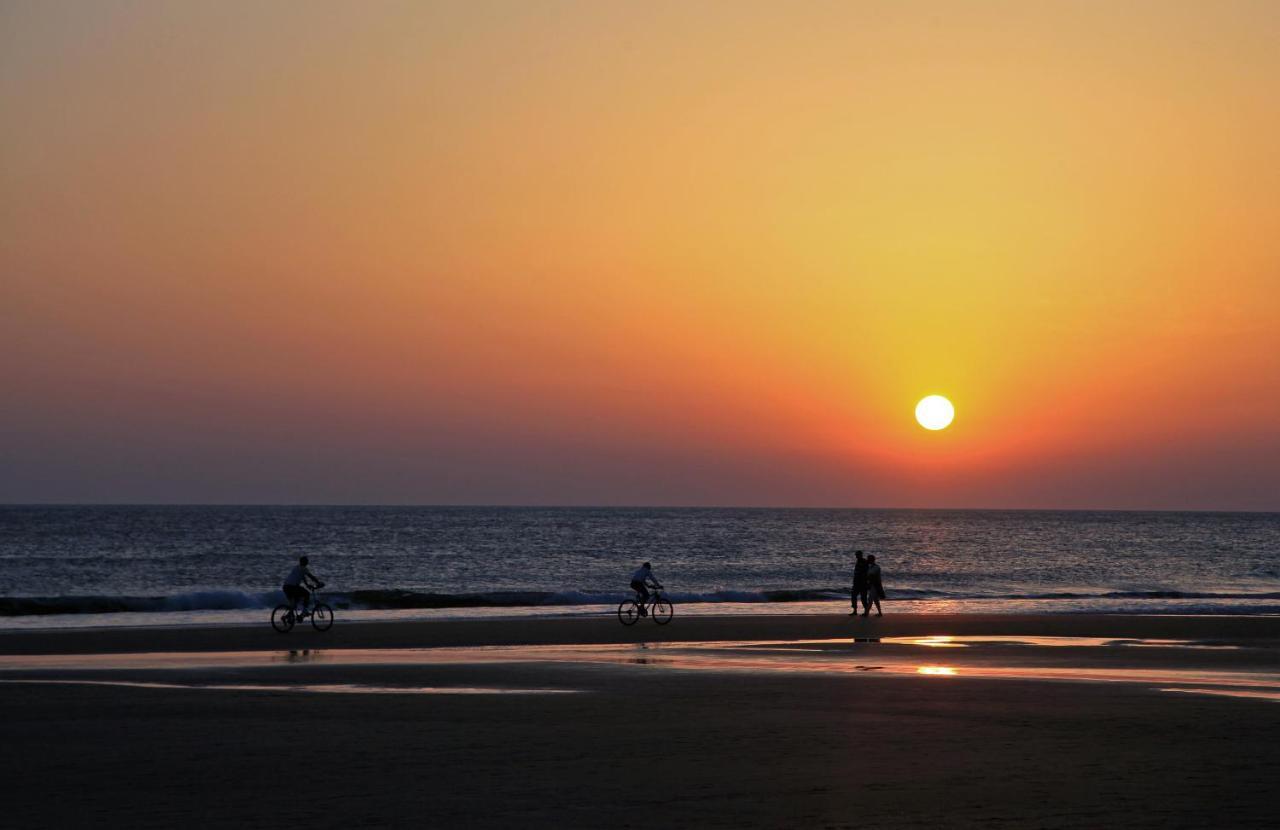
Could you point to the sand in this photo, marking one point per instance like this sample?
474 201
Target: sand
708 722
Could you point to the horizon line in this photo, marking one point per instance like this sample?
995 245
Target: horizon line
552 506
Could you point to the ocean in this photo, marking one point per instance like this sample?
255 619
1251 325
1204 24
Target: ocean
120 565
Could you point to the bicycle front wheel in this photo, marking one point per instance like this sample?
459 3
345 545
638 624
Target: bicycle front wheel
662 611
322 617
628 612
282 618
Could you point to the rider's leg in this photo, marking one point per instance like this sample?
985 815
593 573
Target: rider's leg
642 595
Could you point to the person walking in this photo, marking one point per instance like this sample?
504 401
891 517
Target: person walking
874 592
859 591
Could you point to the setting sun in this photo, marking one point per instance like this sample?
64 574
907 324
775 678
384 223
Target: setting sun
595 324
935 412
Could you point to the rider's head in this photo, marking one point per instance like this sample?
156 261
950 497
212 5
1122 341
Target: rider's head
871 558
858 553
303 561
647 565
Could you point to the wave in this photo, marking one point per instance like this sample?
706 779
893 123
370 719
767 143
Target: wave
499 599
228 600
383 599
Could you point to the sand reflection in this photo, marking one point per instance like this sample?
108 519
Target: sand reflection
948 641
314 688
1240 673
940 641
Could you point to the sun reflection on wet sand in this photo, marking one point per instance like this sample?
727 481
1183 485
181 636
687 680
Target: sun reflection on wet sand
977 658
556 653
948 641
939 641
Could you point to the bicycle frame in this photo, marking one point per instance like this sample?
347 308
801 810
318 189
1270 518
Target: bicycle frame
653 599
287 614
631 610
309 606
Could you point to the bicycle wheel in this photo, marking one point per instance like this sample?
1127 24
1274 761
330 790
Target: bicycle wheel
628 612
322 617
662 611
282 618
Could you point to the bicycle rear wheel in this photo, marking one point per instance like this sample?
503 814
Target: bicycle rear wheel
282 619
628 612
322 617
662 611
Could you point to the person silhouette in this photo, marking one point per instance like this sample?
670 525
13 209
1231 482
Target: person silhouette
641 580
874 592
859 582
298 581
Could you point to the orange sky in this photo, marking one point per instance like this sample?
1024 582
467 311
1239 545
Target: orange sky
641 253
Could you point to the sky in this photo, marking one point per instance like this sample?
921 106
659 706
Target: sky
659 253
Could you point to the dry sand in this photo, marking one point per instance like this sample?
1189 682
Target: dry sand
669 734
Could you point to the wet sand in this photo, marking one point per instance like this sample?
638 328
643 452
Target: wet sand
709 722
605 629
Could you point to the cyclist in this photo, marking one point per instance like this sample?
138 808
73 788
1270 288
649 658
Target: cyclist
641 580
298 581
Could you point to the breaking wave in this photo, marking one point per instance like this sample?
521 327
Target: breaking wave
379 599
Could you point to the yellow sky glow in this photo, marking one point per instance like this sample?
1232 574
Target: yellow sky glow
655 253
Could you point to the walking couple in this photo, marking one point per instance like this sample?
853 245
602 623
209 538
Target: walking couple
866 585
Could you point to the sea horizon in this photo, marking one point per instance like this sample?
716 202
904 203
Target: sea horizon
574 506
165 564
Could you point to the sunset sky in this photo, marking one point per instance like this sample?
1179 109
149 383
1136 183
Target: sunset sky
648 253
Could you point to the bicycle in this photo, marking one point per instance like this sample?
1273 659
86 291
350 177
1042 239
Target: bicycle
286 616
659 608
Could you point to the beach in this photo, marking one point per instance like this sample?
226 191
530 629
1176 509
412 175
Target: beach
484 329
800 721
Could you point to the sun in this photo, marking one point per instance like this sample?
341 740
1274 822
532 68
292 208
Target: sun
935 412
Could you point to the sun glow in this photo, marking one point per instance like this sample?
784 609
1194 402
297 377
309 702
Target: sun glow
942 670
938 641
722 290
935 412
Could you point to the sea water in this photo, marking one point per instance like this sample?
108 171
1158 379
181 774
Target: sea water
76 566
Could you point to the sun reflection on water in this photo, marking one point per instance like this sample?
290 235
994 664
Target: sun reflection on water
943 670
937 641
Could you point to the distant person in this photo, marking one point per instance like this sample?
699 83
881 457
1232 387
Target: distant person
298 581
875 588
859 591
641 581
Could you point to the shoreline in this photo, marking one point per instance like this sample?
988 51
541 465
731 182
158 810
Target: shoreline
605 629
226 607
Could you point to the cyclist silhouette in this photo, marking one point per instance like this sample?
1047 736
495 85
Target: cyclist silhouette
298 581
641 581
